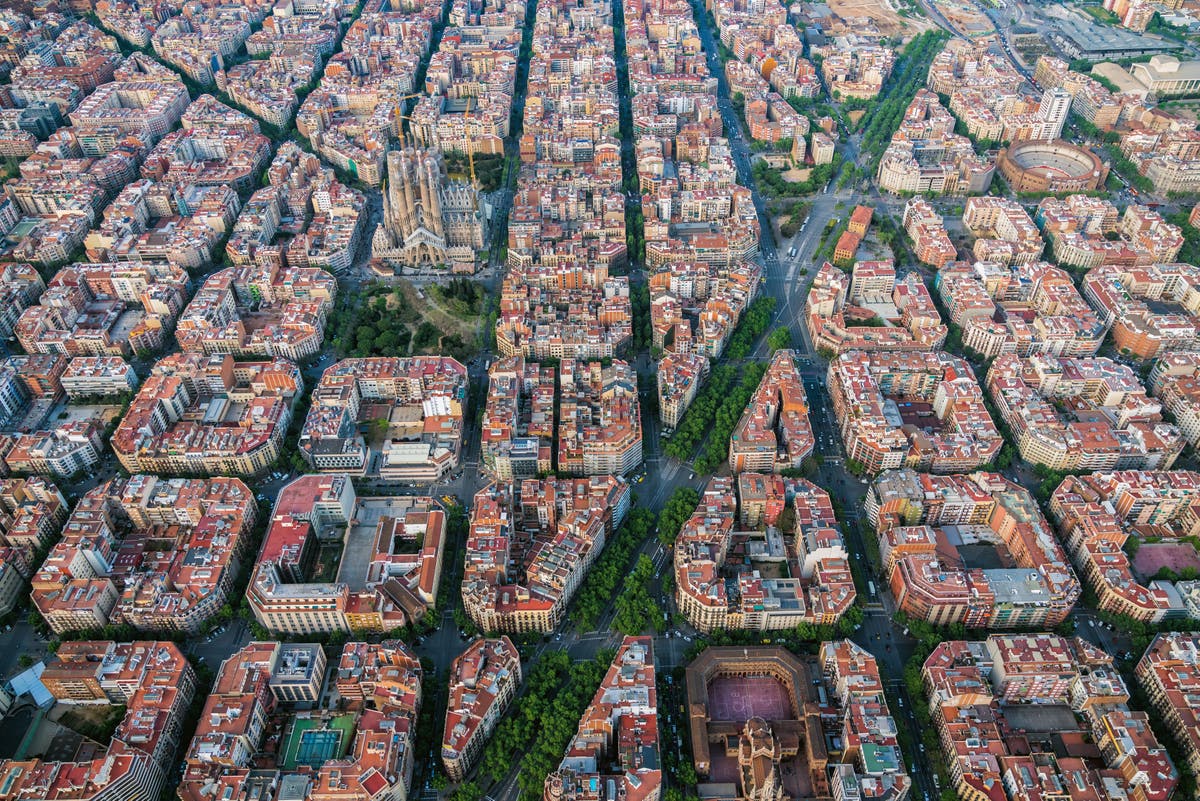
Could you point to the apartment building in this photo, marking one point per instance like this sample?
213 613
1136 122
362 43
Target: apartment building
380 684
567 220
288 52
679 376
517 437
155 684
1173 381
181 225
927 232
216 146
836 302
42 239
350 116
715 591
303 218
198 43
267 87
484 680
533 319
925 155
970 72
208 414
104 571
1003 231
14 573
872 762
1163 145
79 53
922 520
599 426
1107 422
32 512
978 690
259 311
1169 673
774 432
530 546
98 377
623 711
422 398
1080 230
20 288
1151 310
1024 309
696 307
1097 513
29 386
917 409
471 80
63 449
104 310
769 67
147 109
857 72
988 95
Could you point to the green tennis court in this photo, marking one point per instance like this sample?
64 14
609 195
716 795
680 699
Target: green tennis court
313 744
317 747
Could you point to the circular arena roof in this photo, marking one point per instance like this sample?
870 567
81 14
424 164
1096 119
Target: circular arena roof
1056 159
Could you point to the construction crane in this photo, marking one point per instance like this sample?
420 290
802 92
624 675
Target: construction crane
466 121
400 101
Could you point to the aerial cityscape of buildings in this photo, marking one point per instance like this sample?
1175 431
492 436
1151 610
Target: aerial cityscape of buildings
939 537
1070 705
736 568
599 400
918 409
531 544
392 581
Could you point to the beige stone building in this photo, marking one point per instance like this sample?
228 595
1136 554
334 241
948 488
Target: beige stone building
428 219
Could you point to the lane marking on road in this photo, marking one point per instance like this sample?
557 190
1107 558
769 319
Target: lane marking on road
669 471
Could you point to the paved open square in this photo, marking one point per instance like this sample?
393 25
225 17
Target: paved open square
739 698
1153 556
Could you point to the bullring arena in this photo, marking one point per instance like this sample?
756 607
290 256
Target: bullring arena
731 686
1050 166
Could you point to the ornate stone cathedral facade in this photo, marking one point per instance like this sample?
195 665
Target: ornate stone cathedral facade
427 218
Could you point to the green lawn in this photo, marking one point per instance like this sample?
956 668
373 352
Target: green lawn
346 724
1101 14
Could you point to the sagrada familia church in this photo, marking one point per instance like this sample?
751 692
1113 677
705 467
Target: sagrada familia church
428 219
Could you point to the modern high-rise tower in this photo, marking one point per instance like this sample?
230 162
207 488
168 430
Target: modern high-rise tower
1054 108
